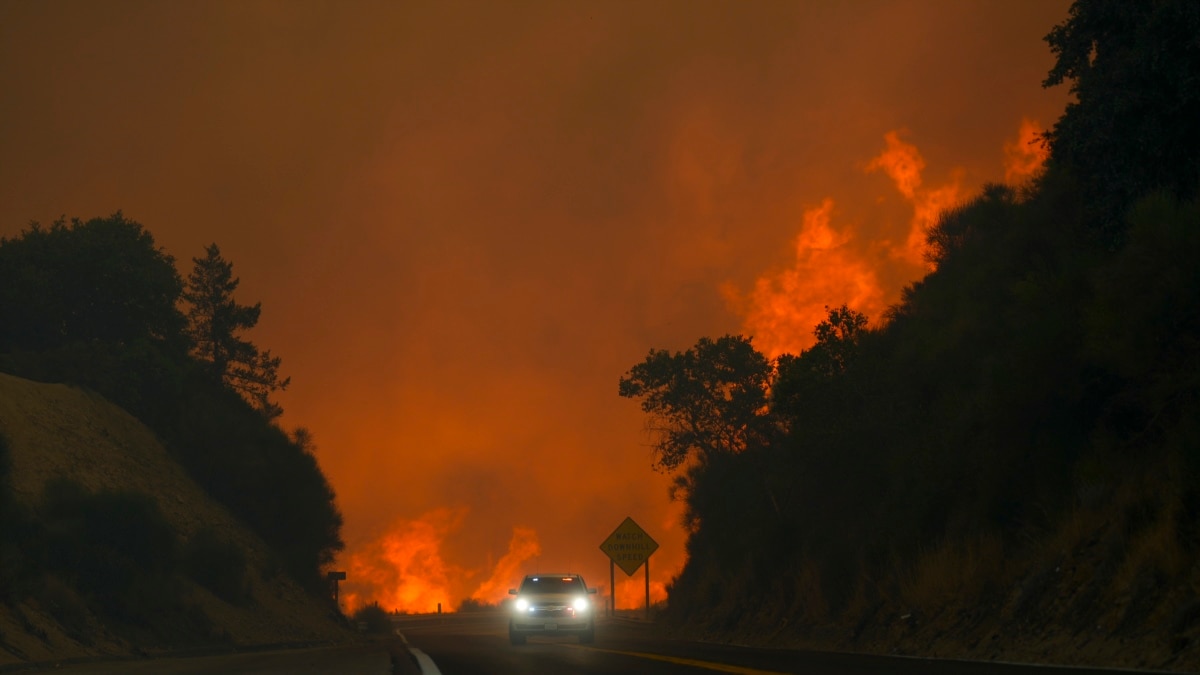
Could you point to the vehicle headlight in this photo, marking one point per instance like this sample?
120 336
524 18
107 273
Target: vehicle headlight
522 604
581 604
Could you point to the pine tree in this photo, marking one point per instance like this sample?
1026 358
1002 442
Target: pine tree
214 321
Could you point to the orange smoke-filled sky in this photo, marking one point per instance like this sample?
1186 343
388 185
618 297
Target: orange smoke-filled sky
465 221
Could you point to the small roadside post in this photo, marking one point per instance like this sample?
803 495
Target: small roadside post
628 547
334 578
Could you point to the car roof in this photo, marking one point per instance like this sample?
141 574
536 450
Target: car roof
565 575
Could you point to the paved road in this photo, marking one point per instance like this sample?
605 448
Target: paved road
478 645
368 659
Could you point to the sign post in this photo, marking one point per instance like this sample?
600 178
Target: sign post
647 588
629 547
612 588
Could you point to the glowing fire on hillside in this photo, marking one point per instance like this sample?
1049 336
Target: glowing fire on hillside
404 569
782 308
1025 157
833 266
903 163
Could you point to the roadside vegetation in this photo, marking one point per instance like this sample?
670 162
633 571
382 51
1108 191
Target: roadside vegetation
1016 441
97 305
476 605
374 620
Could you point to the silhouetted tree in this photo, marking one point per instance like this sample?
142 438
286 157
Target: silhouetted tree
708 400
1134 68
837 340
214 321
270 480
1040 371
94 303
1143 324
973 226
100 281
810 389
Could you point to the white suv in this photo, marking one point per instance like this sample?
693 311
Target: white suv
552 604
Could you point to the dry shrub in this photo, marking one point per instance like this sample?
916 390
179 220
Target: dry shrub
864 600
374 619
952 570
810 605
1154 550
1076 528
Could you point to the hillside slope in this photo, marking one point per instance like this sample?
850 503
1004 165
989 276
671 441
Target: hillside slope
1081 598
56 431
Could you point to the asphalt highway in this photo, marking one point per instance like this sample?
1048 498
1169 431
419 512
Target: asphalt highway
477 644
364 659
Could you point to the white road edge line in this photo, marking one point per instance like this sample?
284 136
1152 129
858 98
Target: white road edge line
426 664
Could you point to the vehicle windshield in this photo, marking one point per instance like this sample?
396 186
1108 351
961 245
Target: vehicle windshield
552 585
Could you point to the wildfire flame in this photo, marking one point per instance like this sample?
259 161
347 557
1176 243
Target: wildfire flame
903 163
833 266
523 546
782 309
834 263
403 570
631 592
1025 157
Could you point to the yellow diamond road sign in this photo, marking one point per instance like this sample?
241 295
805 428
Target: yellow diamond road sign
629 546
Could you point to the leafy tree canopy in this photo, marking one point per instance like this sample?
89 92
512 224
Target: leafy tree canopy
708 400
96 304
801 381
837 341
80 282
1134 68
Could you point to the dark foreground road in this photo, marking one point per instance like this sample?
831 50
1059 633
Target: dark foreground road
368 659
477 644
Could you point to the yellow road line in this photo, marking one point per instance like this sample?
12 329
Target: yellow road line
720 667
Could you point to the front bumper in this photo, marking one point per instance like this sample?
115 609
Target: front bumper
551 620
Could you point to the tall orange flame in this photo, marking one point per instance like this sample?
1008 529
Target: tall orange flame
1025 157
523 546
833 265
903 163
403 570
782 309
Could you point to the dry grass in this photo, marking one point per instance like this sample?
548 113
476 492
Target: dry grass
951 570
1153 550
810 605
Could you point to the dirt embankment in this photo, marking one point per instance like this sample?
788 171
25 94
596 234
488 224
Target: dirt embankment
1088 595
59 431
